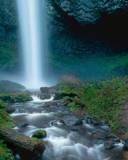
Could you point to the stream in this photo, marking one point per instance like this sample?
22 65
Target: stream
67 138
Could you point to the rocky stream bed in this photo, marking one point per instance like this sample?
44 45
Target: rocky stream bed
69 137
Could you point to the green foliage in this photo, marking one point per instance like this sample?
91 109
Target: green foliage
2 105
5 120
5 153
17 97
103 99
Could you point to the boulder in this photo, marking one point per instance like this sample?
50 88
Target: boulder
39 134
27 148
47 92
10 109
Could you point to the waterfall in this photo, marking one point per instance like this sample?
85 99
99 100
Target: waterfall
32 43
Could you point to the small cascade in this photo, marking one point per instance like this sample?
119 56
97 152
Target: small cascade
36 99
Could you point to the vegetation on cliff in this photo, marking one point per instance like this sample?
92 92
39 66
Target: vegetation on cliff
5 119
5 153
103 99
15 97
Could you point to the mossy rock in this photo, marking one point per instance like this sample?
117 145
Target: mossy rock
39 134
15 97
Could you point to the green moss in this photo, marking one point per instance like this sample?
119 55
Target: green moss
5 153
103 99
5 120
2 105
40 134
17 97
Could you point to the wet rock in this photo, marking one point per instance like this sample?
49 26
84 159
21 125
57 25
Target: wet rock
75 129
57 123
26 147
54 103
24 125
105 128
113 143
90 121
78 122
40 134
17 157
10 109
126 145
47 92
98 135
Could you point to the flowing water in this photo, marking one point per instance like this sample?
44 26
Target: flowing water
65 141
33 43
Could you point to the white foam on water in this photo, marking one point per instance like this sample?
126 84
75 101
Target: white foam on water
63 146
32 115
36 99
18 114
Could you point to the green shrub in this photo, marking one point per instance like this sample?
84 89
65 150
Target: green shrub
2 105
103 99
17 97
5 153
5 120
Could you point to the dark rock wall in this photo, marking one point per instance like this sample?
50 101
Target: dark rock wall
74 26
8 18
87 26
89 11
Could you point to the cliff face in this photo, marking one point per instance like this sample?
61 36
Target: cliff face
74 26
8 18
8 12
84 26
90 11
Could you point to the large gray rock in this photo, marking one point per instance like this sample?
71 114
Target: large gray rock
89 11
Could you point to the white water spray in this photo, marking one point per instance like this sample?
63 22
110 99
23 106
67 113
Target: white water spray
33 45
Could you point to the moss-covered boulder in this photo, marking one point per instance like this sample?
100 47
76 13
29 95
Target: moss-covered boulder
39 134
27 148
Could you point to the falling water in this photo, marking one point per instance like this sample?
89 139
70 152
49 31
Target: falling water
33 46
